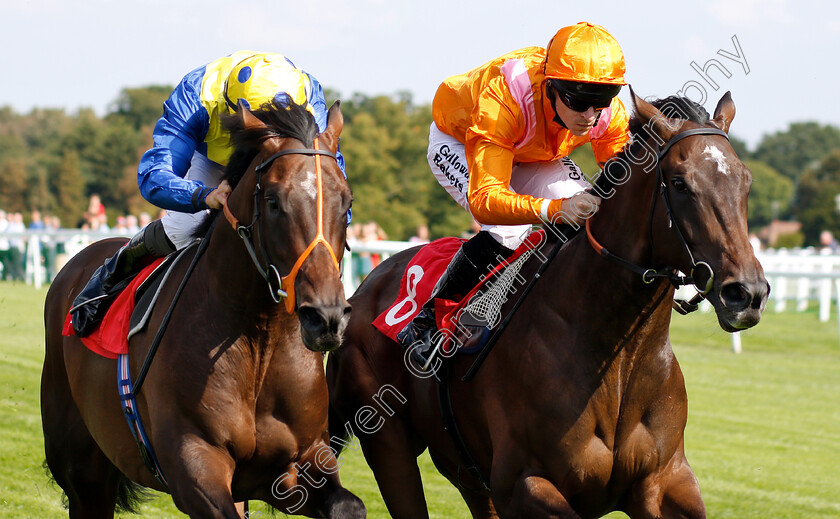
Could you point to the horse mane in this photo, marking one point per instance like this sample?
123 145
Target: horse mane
673 107
283 119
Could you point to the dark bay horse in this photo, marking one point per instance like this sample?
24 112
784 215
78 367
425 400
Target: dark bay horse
581 407
235 403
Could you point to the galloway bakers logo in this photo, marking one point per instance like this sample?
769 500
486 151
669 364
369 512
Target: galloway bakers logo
451 166
574 171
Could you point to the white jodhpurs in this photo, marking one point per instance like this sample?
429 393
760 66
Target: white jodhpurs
556 179
179 226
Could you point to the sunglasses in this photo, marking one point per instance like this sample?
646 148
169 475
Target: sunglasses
581 104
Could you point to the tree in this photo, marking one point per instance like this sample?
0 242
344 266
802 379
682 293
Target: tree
139 107
816 201
799 148
113 147
127 187
38 195
385 141
69 188
740 147
13 187
376 175
770 195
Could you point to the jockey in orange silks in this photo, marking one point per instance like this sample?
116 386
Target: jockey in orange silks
500 145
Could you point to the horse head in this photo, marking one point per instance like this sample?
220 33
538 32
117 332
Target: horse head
704 215
297 200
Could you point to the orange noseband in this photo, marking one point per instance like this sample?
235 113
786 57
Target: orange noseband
287 283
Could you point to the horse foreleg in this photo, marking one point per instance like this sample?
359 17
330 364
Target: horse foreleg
534 497
393 460
671 494
480 505
201 486
311 487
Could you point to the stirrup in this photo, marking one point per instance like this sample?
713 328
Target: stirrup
435 349
424 355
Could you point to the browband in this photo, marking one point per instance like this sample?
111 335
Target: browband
294 151
688 133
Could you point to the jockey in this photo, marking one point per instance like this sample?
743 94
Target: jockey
182 171
500 145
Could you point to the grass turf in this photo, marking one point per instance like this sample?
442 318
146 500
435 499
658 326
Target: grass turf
763 434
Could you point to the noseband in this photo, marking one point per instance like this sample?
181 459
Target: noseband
650 275
283 287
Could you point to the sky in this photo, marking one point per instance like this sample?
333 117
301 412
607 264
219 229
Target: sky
777 57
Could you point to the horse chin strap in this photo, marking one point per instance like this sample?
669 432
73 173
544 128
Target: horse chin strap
650 275
283 287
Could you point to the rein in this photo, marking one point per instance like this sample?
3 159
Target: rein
649 275
283 287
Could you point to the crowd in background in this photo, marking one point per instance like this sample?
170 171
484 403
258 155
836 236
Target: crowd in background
54 252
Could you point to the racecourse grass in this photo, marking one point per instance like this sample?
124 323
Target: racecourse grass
763 434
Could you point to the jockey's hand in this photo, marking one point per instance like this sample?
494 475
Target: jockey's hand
217 198
574 210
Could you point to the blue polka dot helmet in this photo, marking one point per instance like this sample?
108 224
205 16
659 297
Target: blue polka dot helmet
260 78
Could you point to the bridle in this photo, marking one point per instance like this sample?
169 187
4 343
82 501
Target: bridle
649 275
283 287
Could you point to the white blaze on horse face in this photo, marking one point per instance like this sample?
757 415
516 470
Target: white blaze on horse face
716 155
309 186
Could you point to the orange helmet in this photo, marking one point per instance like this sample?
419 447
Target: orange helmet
585 53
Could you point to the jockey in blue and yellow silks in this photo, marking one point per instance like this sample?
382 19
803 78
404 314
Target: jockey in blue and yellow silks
182 171
191 121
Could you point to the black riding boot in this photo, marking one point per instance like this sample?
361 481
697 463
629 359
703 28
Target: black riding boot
474 259
90 305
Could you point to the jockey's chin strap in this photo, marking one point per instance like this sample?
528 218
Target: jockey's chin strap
283 287
649 275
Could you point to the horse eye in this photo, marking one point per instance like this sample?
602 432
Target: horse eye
679 184
272 203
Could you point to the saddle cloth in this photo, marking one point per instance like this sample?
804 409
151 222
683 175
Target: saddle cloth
110 339
419 280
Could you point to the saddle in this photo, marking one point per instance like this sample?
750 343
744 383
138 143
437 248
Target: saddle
130 311
464 326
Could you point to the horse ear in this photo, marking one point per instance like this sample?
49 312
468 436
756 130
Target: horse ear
335 122
249 120
653 120
724 112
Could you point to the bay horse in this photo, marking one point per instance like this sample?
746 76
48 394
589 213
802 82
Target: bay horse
235 402
581 407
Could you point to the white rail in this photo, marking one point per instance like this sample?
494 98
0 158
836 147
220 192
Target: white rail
797 277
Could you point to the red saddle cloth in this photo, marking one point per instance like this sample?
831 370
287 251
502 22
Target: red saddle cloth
419 280
111 337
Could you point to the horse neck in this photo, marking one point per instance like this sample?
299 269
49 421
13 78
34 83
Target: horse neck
234 281
620 311
254 330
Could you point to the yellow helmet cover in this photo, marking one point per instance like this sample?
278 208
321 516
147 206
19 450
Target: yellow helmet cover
258 79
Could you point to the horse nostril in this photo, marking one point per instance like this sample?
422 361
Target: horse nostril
760 294
323 319
735 296
310 318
